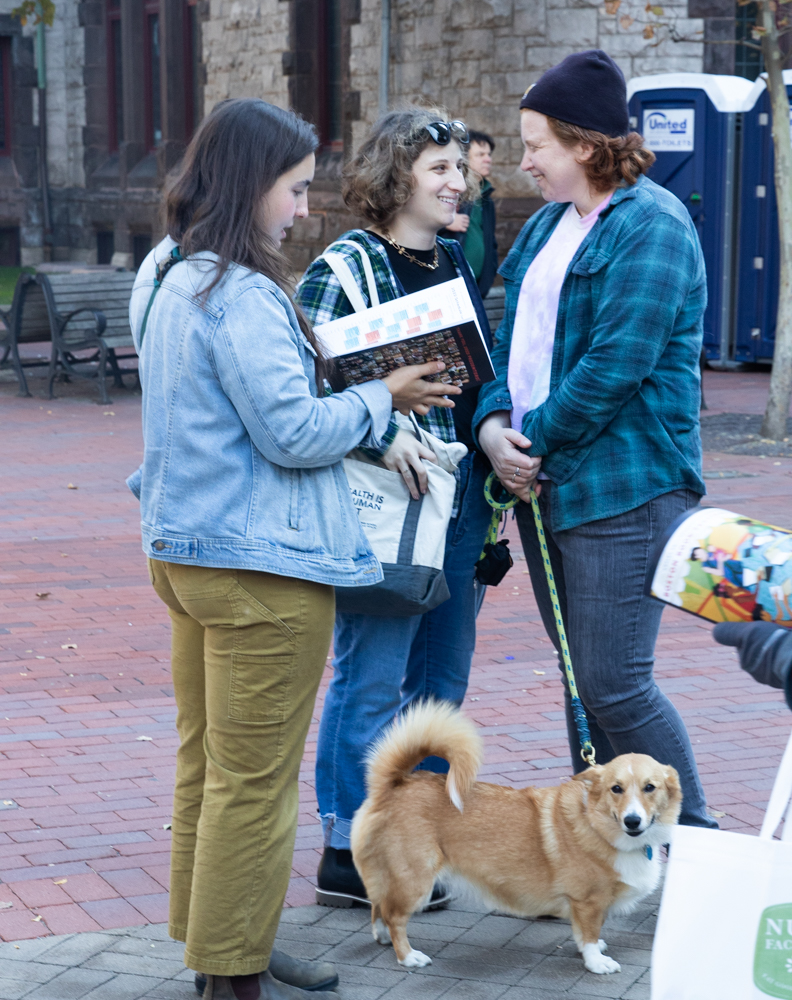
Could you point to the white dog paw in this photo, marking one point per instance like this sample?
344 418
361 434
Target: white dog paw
380 932
415 960
602 945
595 961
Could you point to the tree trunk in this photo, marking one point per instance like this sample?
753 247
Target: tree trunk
775 418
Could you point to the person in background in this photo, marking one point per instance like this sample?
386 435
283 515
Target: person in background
599 386
474 223
406 182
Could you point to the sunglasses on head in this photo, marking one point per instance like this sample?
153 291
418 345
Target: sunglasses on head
443 132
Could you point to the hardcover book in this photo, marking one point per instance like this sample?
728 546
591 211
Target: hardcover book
724 567
436 324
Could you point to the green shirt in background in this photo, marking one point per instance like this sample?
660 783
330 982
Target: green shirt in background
474 237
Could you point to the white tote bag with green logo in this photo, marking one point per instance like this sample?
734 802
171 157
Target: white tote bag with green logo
725 926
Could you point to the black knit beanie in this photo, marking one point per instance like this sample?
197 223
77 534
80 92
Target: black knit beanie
586 89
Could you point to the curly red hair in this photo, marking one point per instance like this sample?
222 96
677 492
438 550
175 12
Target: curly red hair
614 162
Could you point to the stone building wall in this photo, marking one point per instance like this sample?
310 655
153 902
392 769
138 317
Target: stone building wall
65 96
243 42
477 57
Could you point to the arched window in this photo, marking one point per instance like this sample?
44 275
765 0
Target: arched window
315 66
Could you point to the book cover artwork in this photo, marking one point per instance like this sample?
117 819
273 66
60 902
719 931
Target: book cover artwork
436 324
726 568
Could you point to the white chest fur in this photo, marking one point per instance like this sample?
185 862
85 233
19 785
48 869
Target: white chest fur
640 873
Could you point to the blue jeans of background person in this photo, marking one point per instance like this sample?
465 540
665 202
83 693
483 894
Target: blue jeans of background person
611 625
383 664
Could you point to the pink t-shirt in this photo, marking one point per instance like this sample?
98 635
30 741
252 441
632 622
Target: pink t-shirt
533 337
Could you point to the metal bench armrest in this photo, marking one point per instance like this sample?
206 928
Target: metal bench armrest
99 316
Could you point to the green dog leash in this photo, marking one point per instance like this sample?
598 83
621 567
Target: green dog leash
587 751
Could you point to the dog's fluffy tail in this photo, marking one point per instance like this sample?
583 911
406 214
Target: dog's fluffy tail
426 729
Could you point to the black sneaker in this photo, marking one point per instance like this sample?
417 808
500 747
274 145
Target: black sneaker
311 976
338 883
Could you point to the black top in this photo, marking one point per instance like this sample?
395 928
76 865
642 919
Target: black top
414 278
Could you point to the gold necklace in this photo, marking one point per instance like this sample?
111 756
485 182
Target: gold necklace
406 253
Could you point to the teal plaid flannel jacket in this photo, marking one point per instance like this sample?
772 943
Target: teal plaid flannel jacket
621 423
322 299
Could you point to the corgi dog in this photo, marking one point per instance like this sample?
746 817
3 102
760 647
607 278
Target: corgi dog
579 851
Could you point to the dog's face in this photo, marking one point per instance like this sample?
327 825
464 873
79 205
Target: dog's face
632 800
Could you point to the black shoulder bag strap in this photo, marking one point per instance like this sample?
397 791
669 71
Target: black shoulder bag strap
162 269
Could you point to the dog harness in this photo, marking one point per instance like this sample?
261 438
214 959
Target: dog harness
587 751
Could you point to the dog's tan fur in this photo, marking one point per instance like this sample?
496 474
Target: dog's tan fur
561 851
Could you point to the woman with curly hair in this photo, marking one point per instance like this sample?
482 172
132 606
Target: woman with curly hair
598 386
405 182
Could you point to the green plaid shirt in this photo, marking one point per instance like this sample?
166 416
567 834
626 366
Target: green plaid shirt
323 299
621 423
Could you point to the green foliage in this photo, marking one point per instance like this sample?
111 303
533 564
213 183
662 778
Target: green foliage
8 280
39 10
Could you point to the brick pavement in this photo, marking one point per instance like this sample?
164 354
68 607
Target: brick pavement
86 760
476 955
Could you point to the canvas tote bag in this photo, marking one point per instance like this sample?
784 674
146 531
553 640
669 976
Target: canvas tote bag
407 536
725 926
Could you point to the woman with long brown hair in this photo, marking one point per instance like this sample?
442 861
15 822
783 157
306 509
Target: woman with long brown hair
247 524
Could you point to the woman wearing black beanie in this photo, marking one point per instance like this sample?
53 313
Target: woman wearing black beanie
597 398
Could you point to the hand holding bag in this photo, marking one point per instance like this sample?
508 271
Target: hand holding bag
725 925
407 536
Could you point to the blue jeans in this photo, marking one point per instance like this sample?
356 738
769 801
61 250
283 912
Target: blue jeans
383 664
612 626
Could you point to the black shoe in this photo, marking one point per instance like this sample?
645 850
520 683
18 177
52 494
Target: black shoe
311 976
338 883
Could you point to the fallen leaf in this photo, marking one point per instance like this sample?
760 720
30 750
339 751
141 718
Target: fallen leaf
626 22
611 6
648 32
71 486
36 919
60 881
148 739
109 413
8 802
69 645
64 555
540 672
4 905
41 594
717 815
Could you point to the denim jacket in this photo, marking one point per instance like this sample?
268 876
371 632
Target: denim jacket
242 461
621 423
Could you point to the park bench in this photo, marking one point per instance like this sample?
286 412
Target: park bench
78 311
494 305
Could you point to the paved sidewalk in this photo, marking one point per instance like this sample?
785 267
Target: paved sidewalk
476 955
86 760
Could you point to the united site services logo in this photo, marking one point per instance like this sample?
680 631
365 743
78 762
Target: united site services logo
773 956
669 130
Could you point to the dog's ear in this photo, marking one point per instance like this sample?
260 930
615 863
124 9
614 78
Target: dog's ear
673 786
590 777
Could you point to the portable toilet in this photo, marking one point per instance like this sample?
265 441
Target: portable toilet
758 268
691 121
